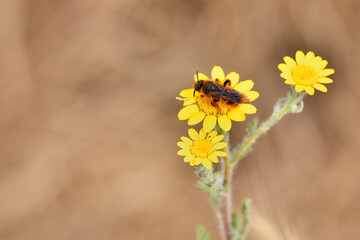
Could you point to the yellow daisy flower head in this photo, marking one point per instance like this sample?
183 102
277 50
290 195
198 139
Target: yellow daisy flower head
202 148
306 72
219 99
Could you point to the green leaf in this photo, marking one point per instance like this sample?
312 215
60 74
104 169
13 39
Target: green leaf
235 220
206 188
246 215
252 126
202 233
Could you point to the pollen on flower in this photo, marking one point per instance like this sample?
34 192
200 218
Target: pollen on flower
224 99
202 148
306 72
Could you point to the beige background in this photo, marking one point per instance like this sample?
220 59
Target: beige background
88 117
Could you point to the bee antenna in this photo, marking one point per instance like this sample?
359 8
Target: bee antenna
197 75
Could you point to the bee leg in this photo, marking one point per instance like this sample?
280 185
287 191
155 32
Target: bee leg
227 81
214 102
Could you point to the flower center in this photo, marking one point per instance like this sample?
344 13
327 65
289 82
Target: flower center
202 148
304 75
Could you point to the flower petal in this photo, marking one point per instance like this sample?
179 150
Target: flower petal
217 73
299 88
198 161
211 135
201 77
183 152
187 93
189 158
217 139
285 75
213 158
192 162
196 118
320 65
320 87
325 80
290 62
187 140
233 77
236 115
187 112
310 90
206 163
290 81
252 95
220 153
326 72
309 58
299 56
247 108
284 68
189 101
183 145
202 134
244 86
209 123
193 134
224 122
220 145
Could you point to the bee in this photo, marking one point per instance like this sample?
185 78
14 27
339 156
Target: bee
218 91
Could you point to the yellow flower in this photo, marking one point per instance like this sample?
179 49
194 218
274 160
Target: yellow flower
202 148
199 106
306 73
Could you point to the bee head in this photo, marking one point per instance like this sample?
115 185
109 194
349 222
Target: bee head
198 85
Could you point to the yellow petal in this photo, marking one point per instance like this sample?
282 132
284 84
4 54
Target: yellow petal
310 90
326 72
217 139
213 158
299 88
290 81
189 101
320 87
220 153
252 95
187 93
236 115
220 145
187 140
209 123
325 80
217 73
299 56
285 75
224 122
233 77
183 145
206 163
192 162
211 135
196 118
183 152
244 86
198 161
201 77
193 134
284 68
309 58
202 134
320 65
187 112
290 62
189 158
247 108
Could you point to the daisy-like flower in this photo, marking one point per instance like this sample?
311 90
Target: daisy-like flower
306 73
199 106
203 148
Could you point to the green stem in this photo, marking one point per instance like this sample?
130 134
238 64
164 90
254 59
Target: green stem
292 103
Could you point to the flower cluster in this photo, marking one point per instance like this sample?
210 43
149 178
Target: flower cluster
222 99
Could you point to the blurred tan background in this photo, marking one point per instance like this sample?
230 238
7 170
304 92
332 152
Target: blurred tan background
88 117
